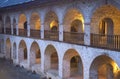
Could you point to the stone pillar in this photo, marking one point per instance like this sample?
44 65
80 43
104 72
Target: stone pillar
28 26
60 68
12 51
4 25
11 26
42 31
17 53
61 32
42 60
87 33
28 55
17 27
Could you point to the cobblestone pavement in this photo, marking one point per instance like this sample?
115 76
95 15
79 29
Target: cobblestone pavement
9 71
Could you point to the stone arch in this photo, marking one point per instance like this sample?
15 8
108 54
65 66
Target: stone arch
22 21
14 51
103 67
8 48
51 55
72 65
105 11
22 53
51 21
35 54
14 26
72 15
35 21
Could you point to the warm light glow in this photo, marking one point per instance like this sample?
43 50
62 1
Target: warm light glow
115 67
53 23
80 17
37 24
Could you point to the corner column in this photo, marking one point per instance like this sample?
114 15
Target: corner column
61 32
87 33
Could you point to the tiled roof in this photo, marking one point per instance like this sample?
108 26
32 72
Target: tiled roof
5 3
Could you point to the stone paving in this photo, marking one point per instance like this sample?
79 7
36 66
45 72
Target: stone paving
9 71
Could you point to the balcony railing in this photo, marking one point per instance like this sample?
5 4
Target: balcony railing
51 35
8 30
22 32
74 37
2 30
35 33
14 31
106 41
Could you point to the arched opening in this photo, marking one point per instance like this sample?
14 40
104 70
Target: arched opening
8 49
73 26
35 57
51 26
104 21
103 67
76 26
73 19
106 26
72 64
22 53
22 22
14 51
14 26
51 65
35 25
51 20
8 25
54 25
35 21
22 25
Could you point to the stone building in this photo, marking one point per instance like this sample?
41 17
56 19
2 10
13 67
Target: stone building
62 39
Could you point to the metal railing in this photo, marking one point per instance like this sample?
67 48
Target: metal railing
8 30
74 37
14 31
51 35
35 33
22 32
106 41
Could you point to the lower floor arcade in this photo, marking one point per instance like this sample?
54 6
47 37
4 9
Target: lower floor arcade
58 60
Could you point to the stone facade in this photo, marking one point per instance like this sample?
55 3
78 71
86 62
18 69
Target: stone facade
55 57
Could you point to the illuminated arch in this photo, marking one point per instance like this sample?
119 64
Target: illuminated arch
73 63
103 67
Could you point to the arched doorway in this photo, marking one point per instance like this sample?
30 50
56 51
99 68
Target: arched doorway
72 65
106 26
35 57
76 26
103 67
73 18
8 49
35 21
14 26
22 25
51 65
35 25
8 25
73 26
51 20
22 53
51 26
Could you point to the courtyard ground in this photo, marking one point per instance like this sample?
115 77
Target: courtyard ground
10 71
